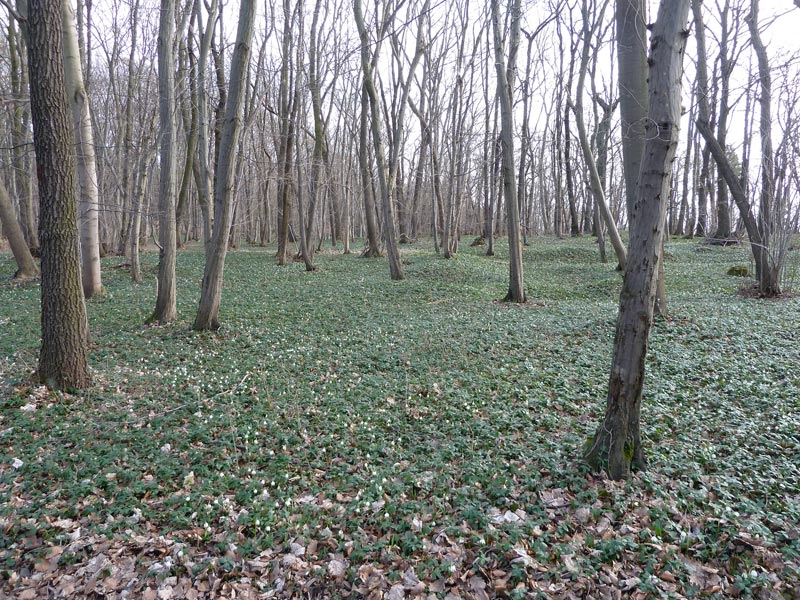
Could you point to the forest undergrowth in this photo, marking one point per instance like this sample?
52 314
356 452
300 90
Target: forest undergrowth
344 435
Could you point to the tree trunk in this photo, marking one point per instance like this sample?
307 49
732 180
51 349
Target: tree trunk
594 176
136 216
88 201
19 137
386 174
127 130
617 446
373 247
166 301
26 266
769 278
63 356
632 58
211 292
505 74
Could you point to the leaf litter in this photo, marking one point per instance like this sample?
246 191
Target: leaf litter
343 438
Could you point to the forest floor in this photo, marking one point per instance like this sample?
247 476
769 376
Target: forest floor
344 435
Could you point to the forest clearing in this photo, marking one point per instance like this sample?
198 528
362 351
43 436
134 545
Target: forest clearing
343 435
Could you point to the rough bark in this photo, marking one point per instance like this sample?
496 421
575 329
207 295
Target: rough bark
211 292
63 356
166 301
616 447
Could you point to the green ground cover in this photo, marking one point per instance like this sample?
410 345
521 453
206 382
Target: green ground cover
345 435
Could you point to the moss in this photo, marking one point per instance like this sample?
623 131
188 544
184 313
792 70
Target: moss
627 451
739 271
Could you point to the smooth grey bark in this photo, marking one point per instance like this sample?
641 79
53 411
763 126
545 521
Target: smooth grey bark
287 115
726 61
594 176
372 248
703 113
88 196
191 121
632 59
136 216
679 226
633 86
769 276
26 265
505 75
387 169
127 128
601 149
23 174
63 360
201 173
318 159
166 301
616 446
211 292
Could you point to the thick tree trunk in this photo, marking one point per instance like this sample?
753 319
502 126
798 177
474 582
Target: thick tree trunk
88 200
63 356
26 265
166 301
211 292
516 284
616 447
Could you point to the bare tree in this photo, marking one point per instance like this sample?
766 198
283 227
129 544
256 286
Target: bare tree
505 75
769 260
211 290
616 447
387 166
166 301
598 190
